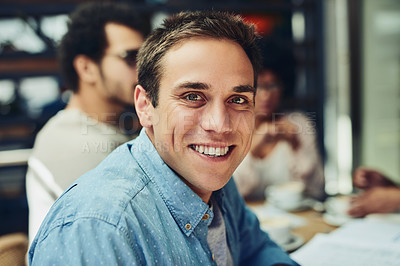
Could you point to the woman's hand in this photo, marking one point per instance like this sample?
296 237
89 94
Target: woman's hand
287 131
268 134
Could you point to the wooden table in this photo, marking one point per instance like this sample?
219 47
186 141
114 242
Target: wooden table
315 224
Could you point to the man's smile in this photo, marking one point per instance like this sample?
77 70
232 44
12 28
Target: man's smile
211 151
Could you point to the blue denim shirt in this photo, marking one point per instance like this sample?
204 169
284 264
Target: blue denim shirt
134 210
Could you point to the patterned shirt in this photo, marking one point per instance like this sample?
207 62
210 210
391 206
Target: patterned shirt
134 210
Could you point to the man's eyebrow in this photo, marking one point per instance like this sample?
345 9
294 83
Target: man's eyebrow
244 88
193 85
205 86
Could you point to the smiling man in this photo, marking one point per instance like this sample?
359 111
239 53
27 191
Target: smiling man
167 197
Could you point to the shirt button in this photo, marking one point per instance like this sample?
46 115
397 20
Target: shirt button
205 216
188 226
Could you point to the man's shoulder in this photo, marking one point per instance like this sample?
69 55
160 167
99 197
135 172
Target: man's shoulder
79 145
101 194
74 126
62 118
62 128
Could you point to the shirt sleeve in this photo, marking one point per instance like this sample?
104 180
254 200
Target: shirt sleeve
41 192
85 241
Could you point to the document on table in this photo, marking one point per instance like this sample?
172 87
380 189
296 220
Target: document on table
359 242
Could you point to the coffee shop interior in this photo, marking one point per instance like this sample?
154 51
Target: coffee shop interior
345 80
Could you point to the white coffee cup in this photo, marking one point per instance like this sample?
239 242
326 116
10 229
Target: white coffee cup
278 229
336 210
337 205
286 196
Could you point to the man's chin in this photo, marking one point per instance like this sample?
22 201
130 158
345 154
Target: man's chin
216 183
206 183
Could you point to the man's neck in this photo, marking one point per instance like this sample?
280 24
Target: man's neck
96 106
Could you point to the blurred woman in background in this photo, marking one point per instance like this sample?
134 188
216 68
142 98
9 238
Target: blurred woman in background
284 143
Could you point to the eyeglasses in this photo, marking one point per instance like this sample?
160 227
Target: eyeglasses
129 56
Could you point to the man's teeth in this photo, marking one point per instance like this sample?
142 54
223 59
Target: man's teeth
211 151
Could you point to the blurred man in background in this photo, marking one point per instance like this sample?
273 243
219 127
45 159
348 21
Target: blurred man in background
98 62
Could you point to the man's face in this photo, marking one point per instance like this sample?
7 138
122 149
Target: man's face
203 123
118 77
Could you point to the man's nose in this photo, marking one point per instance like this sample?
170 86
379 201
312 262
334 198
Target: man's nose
216 118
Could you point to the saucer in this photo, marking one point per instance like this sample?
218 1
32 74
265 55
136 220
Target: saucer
294 243
335 219
302 205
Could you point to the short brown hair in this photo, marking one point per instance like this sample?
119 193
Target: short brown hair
185 25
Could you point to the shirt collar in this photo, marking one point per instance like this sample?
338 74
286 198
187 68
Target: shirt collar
185 206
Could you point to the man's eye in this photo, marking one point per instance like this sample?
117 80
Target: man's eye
193 97
238 100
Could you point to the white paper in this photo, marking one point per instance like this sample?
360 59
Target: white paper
364 230
360 242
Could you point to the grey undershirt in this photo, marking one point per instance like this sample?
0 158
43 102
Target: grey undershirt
216 238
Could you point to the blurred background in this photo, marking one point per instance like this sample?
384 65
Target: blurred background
347 80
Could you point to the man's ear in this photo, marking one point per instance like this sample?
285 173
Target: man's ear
86 68
144 107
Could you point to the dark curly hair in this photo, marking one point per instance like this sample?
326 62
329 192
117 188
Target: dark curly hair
183 26
86 34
